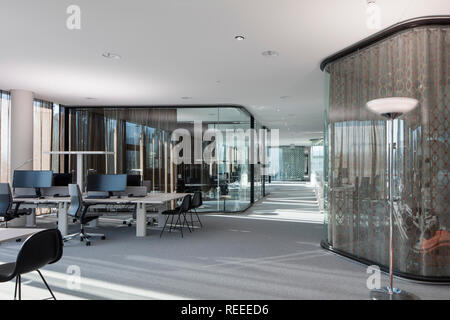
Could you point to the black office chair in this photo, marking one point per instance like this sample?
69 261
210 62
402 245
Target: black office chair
78 211
7 212
42 248
196 203
179 212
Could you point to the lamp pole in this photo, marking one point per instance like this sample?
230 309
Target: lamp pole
391 207
391 108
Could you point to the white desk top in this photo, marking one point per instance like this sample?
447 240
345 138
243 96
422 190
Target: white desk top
151 198
9 234
79 152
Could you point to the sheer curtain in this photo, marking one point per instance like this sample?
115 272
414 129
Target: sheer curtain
5 107
42 134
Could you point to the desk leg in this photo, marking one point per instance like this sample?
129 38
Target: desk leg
62 218
31 219
161 218
141 223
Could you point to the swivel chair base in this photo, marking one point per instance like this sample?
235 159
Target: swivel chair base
396 294
132 221
84 236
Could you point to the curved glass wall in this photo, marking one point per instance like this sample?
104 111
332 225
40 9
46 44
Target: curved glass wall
411 63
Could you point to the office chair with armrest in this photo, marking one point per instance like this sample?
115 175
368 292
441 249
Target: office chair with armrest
179 212
196 203
40 249
78 210
7 212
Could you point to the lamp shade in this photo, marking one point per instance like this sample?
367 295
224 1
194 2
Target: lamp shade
392 105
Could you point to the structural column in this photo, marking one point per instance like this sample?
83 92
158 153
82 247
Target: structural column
21 139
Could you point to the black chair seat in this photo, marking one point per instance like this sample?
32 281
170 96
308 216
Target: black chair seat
170 212
9 216
7 271
42 248
89 218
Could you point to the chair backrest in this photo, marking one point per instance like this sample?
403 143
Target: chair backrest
196 200
148 184
76 201
42 248
186 203
6 199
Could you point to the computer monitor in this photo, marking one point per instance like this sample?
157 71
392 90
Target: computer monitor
43 179
62 179
106 182
133 180
32 179
23 179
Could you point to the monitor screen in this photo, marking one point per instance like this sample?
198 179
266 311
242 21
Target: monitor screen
32 179
106 182
133 180
93 182
62 179
43 179
23 179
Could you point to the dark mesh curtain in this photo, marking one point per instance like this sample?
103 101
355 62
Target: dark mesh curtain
140 138
87 133
413 63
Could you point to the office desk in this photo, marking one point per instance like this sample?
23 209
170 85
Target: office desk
159 200
9 234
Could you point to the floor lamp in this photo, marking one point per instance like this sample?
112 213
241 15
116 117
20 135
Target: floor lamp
391 108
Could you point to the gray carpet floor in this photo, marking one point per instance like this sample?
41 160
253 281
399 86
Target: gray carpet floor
269 252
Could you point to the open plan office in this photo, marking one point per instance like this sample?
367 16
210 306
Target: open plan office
224 150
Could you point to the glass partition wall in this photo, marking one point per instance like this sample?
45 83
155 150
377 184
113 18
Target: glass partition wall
411 63
183 149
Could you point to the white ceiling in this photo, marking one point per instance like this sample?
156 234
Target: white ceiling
176 48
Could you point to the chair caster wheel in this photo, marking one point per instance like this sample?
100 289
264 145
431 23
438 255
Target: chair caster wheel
18 240
103 238
124 222
129 224
88 243
81 239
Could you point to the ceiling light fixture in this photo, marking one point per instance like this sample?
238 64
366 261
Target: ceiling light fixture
239 38
186 98
269 53
284 97
110 55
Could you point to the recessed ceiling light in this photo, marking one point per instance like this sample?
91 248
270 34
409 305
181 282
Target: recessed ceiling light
269 53
239 38
186 98
284 97
110 55
89 98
